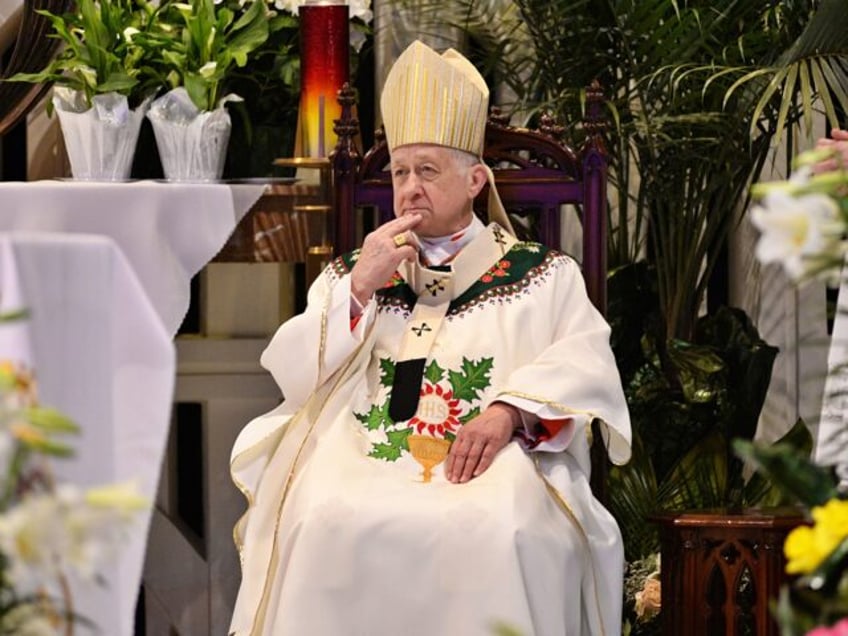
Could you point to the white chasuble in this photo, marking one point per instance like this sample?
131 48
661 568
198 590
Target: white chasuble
352 528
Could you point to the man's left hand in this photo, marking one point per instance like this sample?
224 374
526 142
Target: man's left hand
479 440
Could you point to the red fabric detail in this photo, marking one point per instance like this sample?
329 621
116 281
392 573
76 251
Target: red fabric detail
354 322
553 427
543 431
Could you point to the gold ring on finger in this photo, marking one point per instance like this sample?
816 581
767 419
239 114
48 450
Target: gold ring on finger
400 240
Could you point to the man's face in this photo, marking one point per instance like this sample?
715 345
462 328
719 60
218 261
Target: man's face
428 180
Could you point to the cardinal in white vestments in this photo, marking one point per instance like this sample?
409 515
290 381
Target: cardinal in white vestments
428 470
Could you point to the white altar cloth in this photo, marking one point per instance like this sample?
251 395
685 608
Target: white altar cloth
167 231
105 270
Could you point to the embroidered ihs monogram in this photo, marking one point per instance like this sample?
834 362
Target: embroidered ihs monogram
449 399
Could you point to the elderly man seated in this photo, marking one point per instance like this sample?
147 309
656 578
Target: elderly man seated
428 472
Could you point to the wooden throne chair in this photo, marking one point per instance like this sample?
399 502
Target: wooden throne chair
536 173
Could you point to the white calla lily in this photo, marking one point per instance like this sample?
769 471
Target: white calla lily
796 230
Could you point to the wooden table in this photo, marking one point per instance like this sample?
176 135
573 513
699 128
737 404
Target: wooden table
721 569
291 222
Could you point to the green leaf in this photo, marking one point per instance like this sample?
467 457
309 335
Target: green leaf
434 373
396 444
50 420
760 489
470 415
791 470
700 479
195 86
377 417
632 492
50 447
473 378
387 372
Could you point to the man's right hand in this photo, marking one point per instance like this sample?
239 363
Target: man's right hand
380 256
838 141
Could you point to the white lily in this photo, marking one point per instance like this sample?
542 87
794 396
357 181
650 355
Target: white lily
291 6
797 231
208 69
129 32
68 531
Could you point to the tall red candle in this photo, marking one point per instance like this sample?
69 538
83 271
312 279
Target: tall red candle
324 68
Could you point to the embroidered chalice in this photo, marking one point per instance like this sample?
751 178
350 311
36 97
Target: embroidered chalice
429 452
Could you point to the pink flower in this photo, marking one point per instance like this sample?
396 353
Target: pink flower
648 600
839 629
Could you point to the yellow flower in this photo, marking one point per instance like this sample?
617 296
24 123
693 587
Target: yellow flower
27 434
805 548
832 519
122 496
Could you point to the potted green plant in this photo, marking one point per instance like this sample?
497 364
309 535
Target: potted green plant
198 47
104 81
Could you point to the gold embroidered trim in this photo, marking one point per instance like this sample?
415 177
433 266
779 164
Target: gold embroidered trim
243 488
322 343
568 511
556 405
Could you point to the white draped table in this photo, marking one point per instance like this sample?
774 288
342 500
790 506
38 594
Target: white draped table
104 269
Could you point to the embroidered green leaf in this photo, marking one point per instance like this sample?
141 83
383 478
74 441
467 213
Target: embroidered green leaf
470 415
434 372
387 375
391 451
474 377
450 436
377 417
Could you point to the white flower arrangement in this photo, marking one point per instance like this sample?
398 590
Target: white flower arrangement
49 533
803 222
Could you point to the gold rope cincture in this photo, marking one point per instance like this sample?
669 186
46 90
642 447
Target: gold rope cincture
319 399
288 426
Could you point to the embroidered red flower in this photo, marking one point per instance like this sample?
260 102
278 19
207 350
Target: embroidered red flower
437 413
394 281
498 270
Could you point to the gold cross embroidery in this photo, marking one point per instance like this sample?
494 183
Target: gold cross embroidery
438 285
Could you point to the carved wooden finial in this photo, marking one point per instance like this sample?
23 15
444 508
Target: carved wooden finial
595 122
347 126
548 126
498 118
